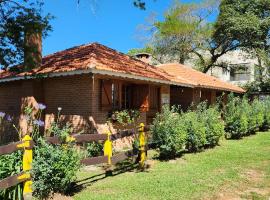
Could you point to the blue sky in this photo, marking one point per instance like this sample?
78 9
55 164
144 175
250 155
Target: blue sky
109 22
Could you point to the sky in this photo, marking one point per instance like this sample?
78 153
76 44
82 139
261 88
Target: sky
113 23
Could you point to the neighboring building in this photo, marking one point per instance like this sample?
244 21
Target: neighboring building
241 68
90 81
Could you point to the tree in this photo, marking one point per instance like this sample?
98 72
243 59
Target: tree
183 30
17 18
244 25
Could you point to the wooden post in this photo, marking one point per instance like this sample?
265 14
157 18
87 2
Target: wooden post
142 141
27 166
108 152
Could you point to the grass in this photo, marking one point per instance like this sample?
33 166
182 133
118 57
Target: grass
236 168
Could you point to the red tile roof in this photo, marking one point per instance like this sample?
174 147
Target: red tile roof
92 56
198 79
95 56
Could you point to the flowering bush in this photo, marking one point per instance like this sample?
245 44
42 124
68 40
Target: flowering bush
54 168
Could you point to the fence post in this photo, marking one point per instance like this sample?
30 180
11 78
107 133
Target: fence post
108 152
142 149
27 166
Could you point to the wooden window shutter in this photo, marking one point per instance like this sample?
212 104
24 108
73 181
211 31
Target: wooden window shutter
106 94
141 97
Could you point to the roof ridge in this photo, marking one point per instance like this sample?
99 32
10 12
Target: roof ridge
71 48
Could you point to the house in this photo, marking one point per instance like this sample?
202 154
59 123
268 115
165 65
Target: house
88 82
205 87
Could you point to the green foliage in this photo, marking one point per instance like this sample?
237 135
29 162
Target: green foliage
245 25
214 126
258 112
16 18
54 168
183 31
126 117
236 119
252 118
244 22
146 49
62 132
168 132
196 131
94 149
267 113
11 164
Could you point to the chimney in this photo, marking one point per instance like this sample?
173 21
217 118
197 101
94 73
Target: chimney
32 48
145 57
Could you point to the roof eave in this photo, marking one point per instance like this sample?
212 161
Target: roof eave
96 71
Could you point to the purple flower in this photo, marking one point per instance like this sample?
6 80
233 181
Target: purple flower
41 106
9 118
39 123
2 114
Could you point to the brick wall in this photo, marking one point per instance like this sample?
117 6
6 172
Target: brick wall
79 97
73 95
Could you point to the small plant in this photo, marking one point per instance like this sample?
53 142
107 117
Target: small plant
126 117
34 122
54 168
11 164
62 131
94 149
169 135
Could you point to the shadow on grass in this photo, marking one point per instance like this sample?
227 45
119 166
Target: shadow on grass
120 168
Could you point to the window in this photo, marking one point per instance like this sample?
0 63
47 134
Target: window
110 95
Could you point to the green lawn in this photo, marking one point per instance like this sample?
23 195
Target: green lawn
234 169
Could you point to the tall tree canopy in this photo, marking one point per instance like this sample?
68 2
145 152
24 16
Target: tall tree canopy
185 31
246 25
17 17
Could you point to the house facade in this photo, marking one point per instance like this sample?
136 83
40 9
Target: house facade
89 82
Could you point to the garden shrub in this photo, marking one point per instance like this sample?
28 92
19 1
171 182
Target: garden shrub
196 131
267 113
94 149
248 110
169 135
54 168
236 118
258 113
11 164
214 126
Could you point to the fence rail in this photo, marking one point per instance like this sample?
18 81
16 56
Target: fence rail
108 158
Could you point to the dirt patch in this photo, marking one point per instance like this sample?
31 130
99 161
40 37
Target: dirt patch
60 197
245 189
